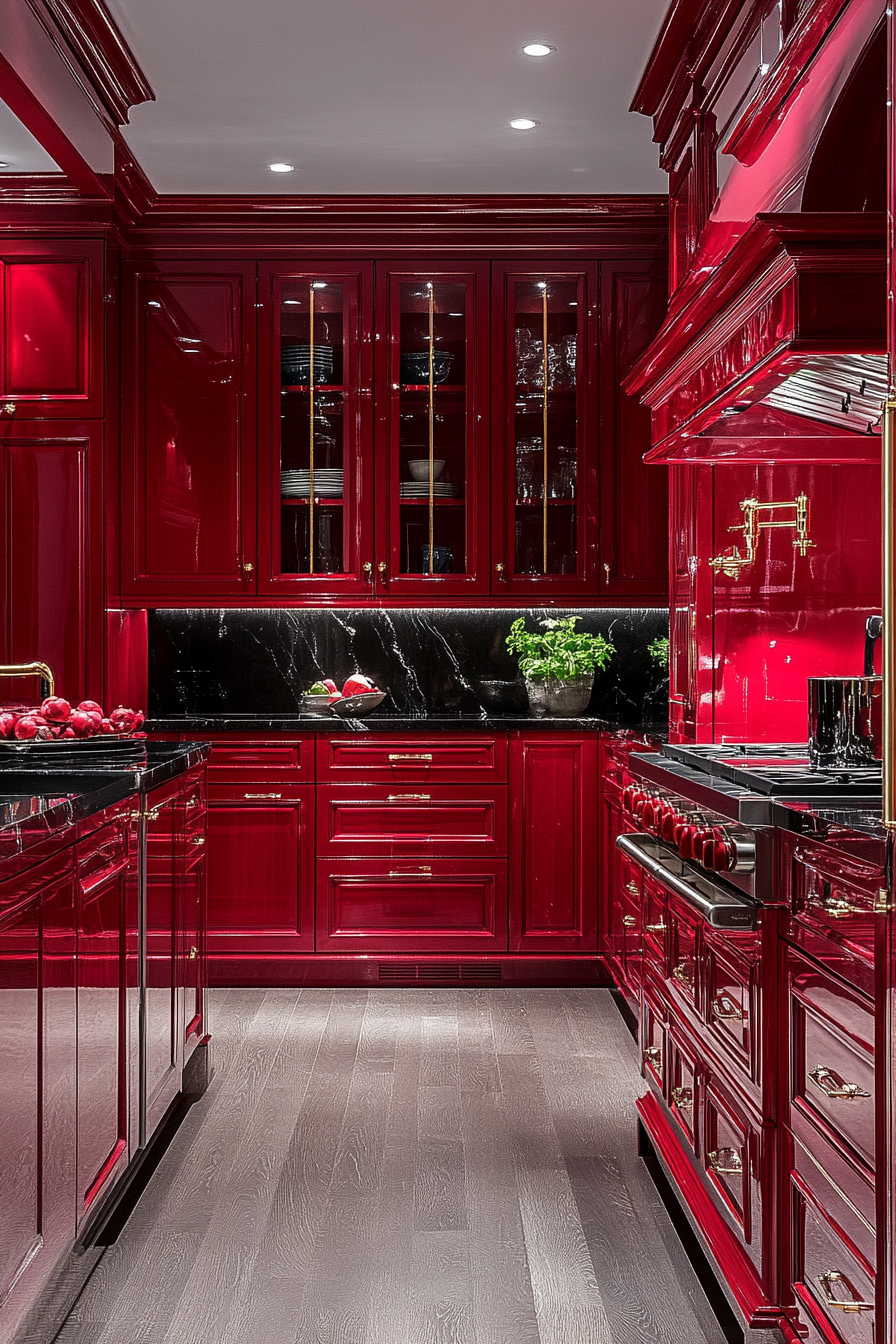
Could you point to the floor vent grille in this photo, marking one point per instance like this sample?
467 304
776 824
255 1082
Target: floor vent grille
429 973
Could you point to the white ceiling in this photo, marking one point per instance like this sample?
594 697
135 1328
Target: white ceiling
19 150
392 96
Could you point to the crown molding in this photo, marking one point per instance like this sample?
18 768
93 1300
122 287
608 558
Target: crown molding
91 44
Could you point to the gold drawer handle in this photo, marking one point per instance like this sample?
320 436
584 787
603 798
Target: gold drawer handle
684 974
410 872
832 1085
632 888
726 1162
262 795
194 953
198 840
683 1098
408 798
726 1010
656 928
410 755
653 1055
629 921
826 1282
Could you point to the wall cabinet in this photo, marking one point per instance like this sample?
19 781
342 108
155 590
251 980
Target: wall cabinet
188 429
51 329
424 432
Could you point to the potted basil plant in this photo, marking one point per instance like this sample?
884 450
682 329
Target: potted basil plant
558 666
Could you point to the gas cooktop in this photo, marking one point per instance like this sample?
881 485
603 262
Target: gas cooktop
776 769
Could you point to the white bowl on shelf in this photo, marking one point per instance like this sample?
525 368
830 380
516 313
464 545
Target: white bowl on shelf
419 468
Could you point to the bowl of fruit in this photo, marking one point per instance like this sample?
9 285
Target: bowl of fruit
57 723
359 697
318 698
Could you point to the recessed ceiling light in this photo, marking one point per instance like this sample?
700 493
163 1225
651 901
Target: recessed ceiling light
318 284
538 49
281 167
523 123
286 301
455 314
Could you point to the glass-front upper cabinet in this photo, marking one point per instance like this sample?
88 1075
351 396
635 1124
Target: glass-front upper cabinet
432 491
316 534
546 477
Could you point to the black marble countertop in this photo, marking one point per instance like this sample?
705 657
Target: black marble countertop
392 723
43 795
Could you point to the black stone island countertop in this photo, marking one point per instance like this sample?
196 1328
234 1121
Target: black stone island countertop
43 793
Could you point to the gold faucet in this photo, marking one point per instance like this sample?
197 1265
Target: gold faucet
30 670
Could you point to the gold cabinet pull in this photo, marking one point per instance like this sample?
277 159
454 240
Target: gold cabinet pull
410 872
248 566
8 407
832 1085
367 568
653 1055
726 1162
629 921
381 568
499 570
835 907
656 928
198 840
632 888
826 1282
262 795
683 1098
410 755
726 1010
194 953
408 798
684 974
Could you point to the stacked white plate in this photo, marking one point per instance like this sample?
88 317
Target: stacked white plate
297 484
420 490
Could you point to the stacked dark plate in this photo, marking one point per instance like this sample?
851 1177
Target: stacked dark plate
295 364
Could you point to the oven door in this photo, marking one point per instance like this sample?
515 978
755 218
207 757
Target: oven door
717 903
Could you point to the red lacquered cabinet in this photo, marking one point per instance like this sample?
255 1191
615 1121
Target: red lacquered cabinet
188 432
51 535
51 329
553 863
316 541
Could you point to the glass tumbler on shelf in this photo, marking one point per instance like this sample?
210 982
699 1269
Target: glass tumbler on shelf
529 482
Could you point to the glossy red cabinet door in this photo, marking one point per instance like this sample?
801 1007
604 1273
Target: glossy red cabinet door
51 537
260 873
443 309
553 842
51 329
316 543
634 532
188 432
545 522
102 1014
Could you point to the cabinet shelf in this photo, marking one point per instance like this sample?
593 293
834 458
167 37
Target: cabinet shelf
437 503
318 387
424 387
552 503
319 503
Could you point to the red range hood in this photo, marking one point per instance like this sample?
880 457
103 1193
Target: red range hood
778 352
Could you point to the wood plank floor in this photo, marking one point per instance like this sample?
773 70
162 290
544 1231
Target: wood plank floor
403 1166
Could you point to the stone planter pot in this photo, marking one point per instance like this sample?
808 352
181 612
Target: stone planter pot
559 699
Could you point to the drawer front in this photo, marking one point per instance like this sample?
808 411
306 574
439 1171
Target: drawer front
832 1064
103 850
440 820
261 759
401 906
683 1097
832 899
652 1038
366 759
732 991
683 937
730 1155
653 904
832 1261
630 943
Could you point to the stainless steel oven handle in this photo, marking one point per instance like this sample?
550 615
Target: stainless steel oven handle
730 911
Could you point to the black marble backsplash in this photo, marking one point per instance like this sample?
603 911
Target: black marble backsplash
207 662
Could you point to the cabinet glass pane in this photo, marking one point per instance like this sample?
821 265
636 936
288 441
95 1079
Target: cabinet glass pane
316 373
546 357
432 392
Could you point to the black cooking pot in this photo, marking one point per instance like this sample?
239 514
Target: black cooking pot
846 713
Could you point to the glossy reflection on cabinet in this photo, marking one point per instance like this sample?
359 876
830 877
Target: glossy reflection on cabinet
546 425
315 413
188 473
434 473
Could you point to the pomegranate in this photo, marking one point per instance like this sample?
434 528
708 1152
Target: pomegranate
107 726
91 707
124 720
139 720
55 709
81 724
8 724
67 732
27 727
